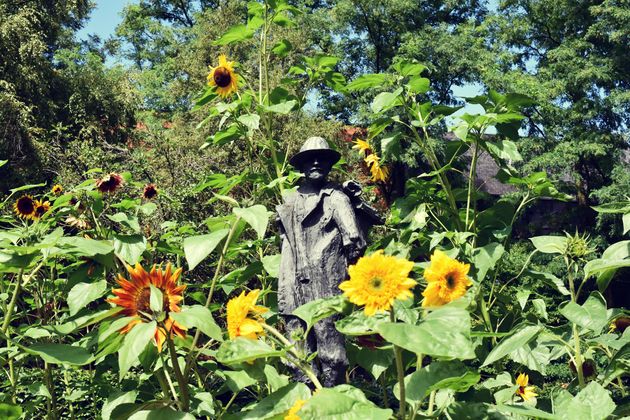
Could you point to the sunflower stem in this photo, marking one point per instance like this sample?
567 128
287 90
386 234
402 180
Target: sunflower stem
181 381
576 333
401 372
217 271
291 349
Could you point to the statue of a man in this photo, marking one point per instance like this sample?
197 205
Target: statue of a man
321 234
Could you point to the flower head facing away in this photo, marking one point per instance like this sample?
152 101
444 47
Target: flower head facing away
377 280
24 207
524 391
109 183
447 280
239 310
363 147
223 77
379 172
135 294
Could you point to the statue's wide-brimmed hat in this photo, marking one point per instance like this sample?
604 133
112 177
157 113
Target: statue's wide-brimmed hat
315 146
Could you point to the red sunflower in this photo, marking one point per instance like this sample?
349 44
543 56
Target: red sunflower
109 183
150 191
135 295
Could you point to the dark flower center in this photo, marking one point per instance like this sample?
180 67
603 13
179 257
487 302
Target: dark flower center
150 192
222 77
450 281
376 283
25 205
40 210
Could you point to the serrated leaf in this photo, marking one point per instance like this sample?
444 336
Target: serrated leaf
199 317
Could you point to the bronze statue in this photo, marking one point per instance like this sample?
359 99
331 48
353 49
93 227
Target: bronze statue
323 228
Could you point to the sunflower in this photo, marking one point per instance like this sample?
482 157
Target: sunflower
150 191
135 295
363 147
109 183
377 280
238 310
379 172
526 392
25 207
56 189
77 222
447 280
292 414
41 207
223 77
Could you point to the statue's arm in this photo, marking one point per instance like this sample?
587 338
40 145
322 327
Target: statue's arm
351 233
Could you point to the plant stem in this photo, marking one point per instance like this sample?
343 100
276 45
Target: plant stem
401 373
217 271
12 302
181 381
576 333
431 403
471 182
50 385
291 349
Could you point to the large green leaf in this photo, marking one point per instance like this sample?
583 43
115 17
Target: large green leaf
318 309
385 100
161 414
135 342
256 216
613 258
591 403
130 247
115 400
357 323
518 339
197 248
372 360
235 34
368 81
330 404
275 403
60 354
199 317
443 333
438 375
550 244
83 293
282 108
592 315
85 247
10 411
485 259
243 349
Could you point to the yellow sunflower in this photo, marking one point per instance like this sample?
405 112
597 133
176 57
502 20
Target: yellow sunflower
238 310
135 295
41 207
377 280
292 414
25 207
379 172
524 391
223 77
447 280
363 147
56 189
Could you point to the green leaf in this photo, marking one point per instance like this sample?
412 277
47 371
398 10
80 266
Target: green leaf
282 48
357 323
486 258
225 136
528 412
26 187
85 247
385 100
518 339
550 244
60 354
115 400
271 263
236 33
239 379
10 411
199 317
274 404
368 81
374 361
438 375
243 349
443 333
613 258
161 414
418 85
405 68
134 343
197 248
130 247
625 219
591 403
156 299
319 309
83 293
282 108
3 162
503 150
129 221
331 404
592 315
256 216
251 121
551 280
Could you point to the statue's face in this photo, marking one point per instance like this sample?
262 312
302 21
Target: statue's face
316 169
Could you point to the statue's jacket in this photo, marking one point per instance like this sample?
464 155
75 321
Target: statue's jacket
318 233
